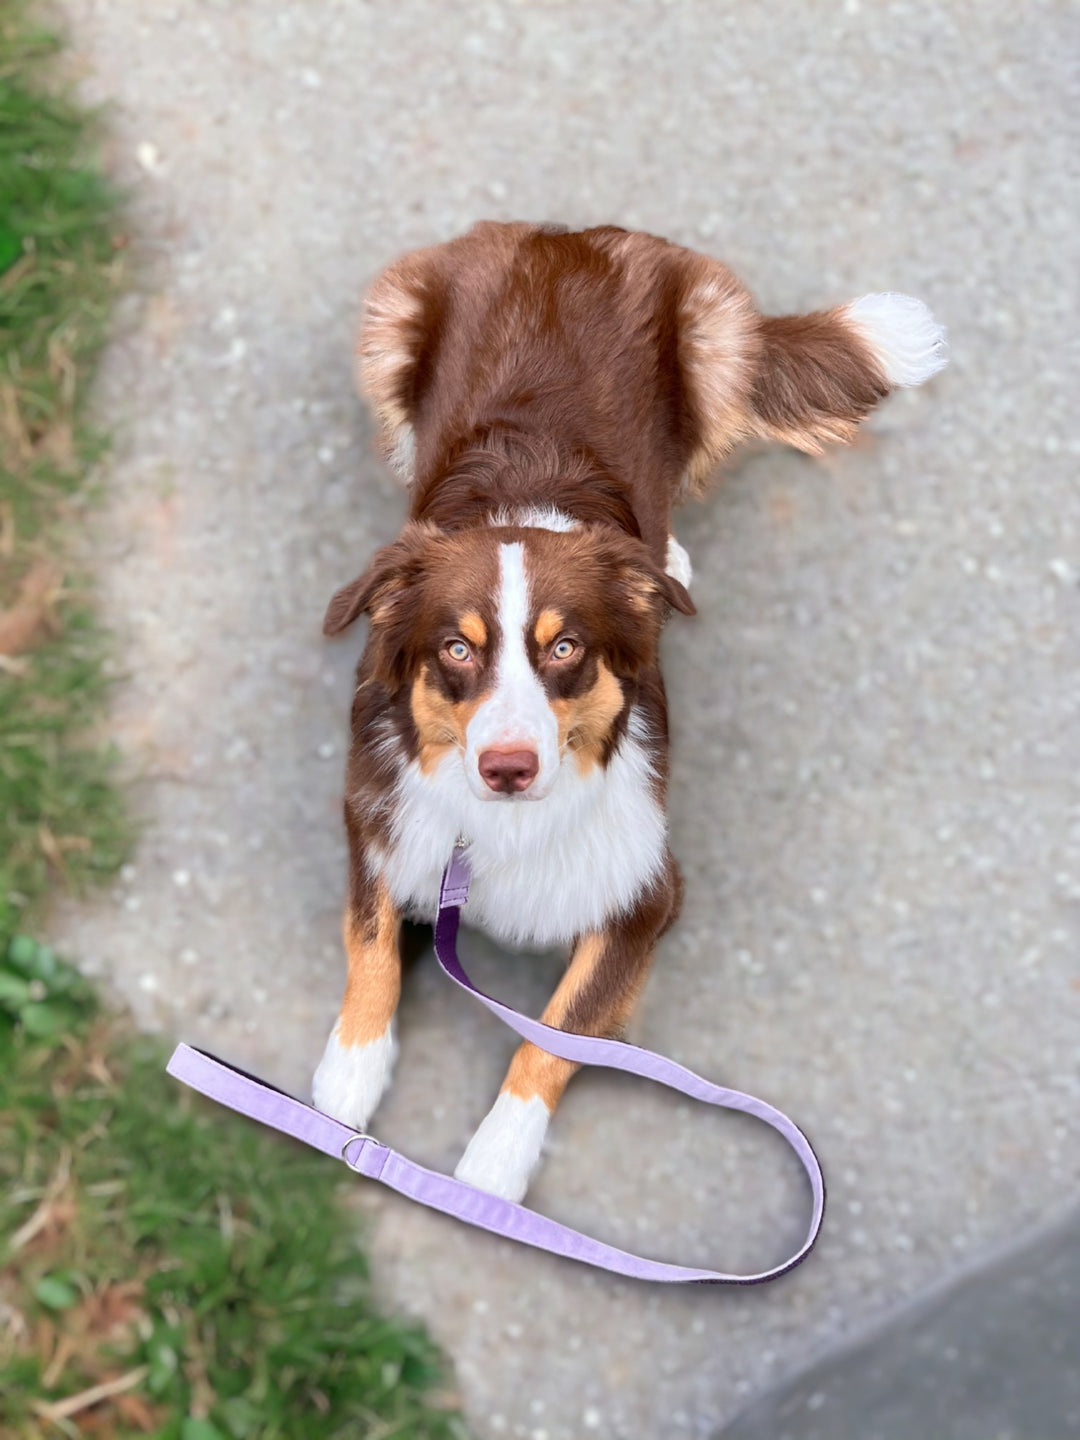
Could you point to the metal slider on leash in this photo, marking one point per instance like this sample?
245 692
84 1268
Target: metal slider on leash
368 1156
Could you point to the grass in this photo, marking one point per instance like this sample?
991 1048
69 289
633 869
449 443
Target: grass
166 1268
195 1264
60 243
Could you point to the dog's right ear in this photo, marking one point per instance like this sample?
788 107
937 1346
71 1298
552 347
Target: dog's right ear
353 599
394 568
390 591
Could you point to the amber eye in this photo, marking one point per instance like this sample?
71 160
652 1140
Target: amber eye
564 649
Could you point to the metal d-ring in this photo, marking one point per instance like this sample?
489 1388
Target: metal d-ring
360 1135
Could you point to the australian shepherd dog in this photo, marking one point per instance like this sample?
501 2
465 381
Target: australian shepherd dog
548 397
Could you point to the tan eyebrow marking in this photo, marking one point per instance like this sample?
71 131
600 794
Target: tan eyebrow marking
474 629
548 625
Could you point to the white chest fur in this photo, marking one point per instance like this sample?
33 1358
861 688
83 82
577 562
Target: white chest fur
543 871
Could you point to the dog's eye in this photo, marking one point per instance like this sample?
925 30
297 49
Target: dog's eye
564 649
458 651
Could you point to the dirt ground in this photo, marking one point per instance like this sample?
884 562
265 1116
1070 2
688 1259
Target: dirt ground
875 713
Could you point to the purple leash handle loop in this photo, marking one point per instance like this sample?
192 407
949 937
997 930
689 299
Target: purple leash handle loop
367 1156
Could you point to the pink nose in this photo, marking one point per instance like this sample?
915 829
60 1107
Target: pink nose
508 772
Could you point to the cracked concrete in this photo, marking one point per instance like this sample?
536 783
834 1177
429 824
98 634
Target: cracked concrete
875 793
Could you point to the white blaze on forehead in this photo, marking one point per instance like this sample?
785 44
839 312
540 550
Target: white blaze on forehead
513 616
517 714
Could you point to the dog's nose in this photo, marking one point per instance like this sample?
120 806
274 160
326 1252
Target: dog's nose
508 772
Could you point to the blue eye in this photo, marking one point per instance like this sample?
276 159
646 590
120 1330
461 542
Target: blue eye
459 651
564 649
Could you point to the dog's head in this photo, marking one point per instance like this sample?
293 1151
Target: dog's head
513 646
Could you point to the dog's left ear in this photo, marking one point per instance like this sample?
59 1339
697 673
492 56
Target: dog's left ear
645 592
644 586
390 590
673 591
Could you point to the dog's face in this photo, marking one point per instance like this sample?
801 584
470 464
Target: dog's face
514 646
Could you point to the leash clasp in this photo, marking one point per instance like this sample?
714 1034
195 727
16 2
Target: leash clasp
454 890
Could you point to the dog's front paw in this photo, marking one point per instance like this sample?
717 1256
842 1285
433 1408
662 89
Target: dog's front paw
505 1150
351 1079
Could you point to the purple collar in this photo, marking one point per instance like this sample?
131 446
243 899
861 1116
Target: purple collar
365 1154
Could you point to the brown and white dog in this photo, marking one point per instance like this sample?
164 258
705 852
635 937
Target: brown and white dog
549 397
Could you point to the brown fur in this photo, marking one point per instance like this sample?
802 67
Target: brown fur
440 721
605 366
603 374
817 380
474 629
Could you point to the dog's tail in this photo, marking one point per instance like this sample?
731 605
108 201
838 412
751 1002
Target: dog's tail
805 380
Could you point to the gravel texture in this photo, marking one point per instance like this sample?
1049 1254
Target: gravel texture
875 794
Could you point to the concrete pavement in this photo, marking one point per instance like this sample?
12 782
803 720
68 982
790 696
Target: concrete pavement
875 793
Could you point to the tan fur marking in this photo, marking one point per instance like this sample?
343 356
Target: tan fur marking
641 593
718 348
548 625
585 722
384 350
473 629
387 347
374 981
534 1071
439 722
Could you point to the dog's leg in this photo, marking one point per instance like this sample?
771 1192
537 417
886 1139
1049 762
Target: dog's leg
594 997
359 1055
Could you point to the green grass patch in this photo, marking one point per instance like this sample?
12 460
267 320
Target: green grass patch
197 1264
61 820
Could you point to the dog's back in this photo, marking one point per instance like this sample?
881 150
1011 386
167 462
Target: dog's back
645 357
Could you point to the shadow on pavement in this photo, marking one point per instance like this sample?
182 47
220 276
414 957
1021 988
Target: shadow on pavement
996 1356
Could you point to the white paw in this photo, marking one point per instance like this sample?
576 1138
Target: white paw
677 562
505 1150
350 1080
907 341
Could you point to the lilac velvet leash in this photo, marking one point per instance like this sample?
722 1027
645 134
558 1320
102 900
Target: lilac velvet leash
367 1156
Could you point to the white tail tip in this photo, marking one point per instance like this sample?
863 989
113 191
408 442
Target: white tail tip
907 341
